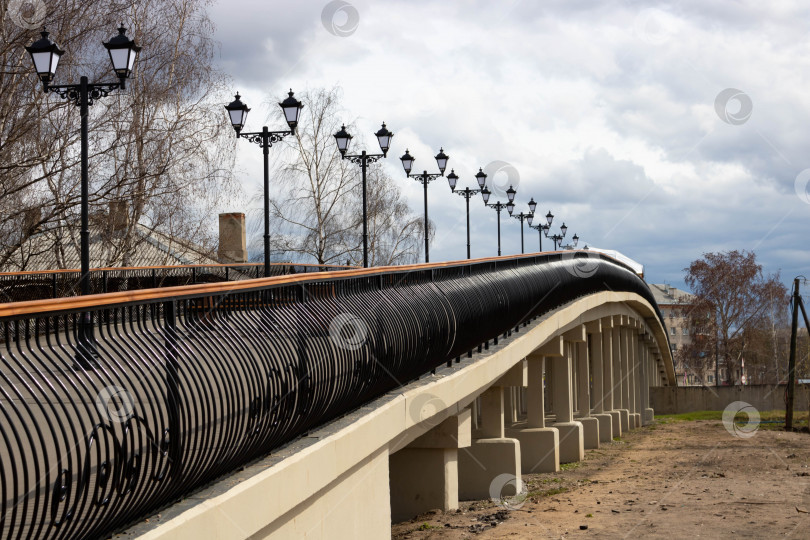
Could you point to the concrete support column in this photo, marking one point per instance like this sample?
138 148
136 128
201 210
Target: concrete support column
635 400
648 369
491 455
571 435
619 367
424 475
539 445
598 397
590 425
609 382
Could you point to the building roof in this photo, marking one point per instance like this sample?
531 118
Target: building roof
153 248
666 294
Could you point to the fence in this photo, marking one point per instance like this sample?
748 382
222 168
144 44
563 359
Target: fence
113 406
23 286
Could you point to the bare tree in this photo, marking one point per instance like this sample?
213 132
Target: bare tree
733 313
161 146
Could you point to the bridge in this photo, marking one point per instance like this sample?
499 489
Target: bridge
317 405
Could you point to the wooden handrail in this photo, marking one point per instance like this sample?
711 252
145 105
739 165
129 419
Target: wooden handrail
75 303
167 266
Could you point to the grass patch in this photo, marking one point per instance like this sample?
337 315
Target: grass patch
588 515
690 416
426 527
570 466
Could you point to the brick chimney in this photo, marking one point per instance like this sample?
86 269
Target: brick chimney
119 215
232 238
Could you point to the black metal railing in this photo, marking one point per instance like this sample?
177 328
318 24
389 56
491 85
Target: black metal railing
171 391
23 286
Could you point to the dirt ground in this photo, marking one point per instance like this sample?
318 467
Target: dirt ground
669 480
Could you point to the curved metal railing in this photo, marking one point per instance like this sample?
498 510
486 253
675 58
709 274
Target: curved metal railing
114 405
39 285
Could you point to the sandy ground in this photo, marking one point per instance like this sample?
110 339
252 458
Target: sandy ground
667 480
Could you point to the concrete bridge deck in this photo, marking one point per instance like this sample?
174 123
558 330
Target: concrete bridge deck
563 383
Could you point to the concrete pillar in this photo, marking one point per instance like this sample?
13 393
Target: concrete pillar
590 425
491 455
619 383
597 373
609 382
649 414
571 435
635 401
539 445
424 475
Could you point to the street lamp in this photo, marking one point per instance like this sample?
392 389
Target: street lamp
425 178
523 217
498 206
481 177
237 112
558 237
363 159
45 55
542 229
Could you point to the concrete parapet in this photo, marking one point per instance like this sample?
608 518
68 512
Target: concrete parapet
572 446
482 462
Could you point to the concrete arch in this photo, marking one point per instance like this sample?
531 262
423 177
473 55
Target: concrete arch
348 478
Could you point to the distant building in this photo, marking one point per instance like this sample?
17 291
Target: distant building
674 303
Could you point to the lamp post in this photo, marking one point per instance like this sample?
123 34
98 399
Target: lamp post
541 228
498 206
237 112
558 237
45 55
425 179
452 178
363 159
523 217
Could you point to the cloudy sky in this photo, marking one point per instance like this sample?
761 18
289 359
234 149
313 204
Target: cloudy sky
662 130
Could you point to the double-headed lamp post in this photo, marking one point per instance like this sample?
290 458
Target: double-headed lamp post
541 228
498 206
425 179
237 112
523 217
363 159
45 55
558 237
481 177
